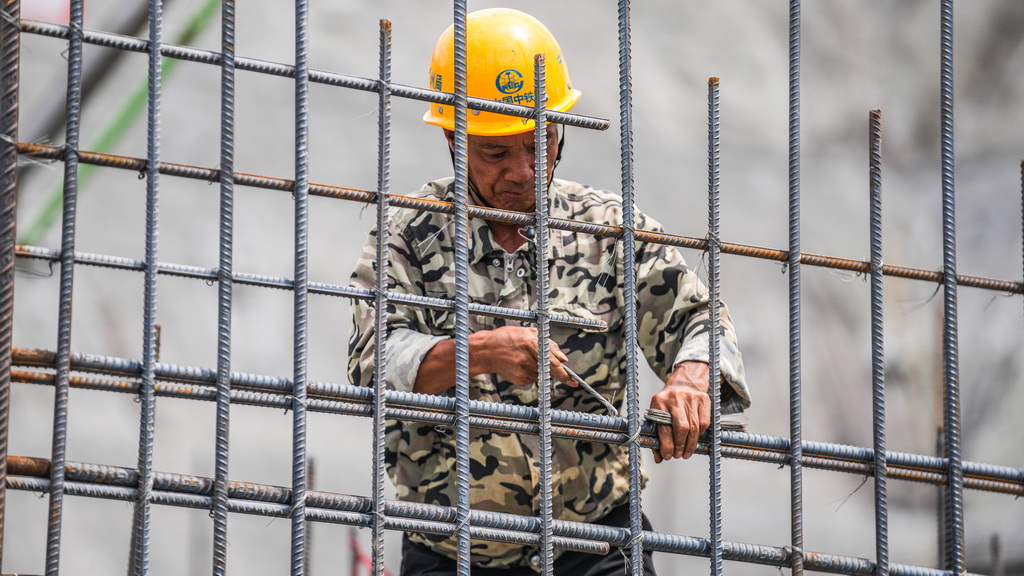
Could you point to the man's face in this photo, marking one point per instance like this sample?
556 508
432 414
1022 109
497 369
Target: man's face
501 167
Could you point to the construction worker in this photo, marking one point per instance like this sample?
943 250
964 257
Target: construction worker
590 479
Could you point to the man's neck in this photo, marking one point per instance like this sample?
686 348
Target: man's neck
507 236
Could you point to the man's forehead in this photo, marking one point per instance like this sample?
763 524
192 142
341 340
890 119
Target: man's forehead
526 138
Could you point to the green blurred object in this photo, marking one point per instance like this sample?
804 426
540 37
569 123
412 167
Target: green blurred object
117 127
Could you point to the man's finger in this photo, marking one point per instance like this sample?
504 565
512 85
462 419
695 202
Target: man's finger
692 434
665 436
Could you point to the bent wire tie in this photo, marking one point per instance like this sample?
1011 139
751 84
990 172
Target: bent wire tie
604 401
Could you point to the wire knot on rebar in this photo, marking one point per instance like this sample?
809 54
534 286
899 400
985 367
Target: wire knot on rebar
299 506
9 18
146 490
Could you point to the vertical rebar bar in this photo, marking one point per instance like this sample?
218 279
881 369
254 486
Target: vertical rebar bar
714 377
950 353
543 324
380 298
878 345
10 75
225 291
147 392
301 288
67 276
462 478
795 369
629 287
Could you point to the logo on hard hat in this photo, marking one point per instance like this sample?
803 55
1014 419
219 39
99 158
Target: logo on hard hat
509 81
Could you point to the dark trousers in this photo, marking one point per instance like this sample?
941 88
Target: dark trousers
418 560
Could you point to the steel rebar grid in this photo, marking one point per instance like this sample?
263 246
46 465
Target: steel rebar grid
10 75
881 472
540 173
317 76
461 237
301 284
954 529
635 560
497 215
189 491
714 372
68 223
269 391
225 285
381 300
795 369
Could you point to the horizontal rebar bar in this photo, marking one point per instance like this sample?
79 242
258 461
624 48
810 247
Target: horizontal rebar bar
270 391
188 53
183 490
264 500
212 275
506 216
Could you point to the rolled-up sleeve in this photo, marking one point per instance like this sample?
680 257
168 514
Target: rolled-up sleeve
408 338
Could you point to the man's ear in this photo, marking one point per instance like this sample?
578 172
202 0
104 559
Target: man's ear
449 135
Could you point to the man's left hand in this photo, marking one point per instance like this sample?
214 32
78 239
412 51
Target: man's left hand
685 397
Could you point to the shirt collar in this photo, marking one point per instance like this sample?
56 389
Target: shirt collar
482 243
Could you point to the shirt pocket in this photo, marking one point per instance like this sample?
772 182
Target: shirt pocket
584 276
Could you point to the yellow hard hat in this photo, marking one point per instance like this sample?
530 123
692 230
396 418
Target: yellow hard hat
500 46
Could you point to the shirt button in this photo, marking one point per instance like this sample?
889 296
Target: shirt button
521 272
496 261
535 561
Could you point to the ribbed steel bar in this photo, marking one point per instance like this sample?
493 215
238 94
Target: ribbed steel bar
225 287
493 214
193 384
714 372
636 544
540 246
316 76
793 263
211 275
381 299
67 275
574 422
881 472
301 288
461 241
954 528
147 396
324 507
112 482
10 75
140 547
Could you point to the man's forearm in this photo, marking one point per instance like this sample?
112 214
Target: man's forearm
509 351
437 370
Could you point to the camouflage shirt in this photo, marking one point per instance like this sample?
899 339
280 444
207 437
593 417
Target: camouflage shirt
589 478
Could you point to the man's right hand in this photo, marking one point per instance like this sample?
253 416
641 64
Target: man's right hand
509 351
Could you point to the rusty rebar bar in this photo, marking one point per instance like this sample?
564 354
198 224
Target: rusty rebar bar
212 175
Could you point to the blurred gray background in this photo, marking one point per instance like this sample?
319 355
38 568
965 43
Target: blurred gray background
857 55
